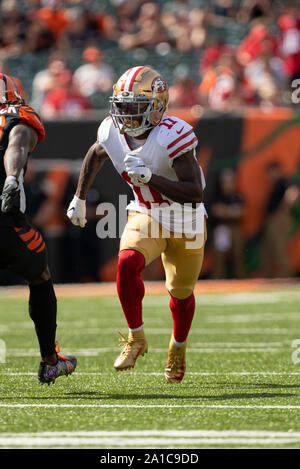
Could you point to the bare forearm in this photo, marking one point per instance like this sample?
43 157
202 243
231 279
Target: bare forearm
89 169
21 139
14 161
179 191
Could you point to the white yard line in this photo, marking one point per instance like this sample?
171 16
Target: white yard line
157 433
112 442
94 352
238 344
248 298
264 297
145 438
194 331
253 318
97 326
245 331
9 329
153 373
152 406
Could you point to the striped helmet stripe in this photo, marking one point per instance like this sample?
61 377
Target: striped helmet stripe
9 91
123 77
4 80
15 85
128 82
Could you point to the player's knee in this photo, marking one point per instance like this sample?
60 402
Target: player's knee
44 277
180 293
130 262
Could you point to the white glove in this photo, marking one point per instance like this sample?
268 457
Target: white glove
136 169
76 212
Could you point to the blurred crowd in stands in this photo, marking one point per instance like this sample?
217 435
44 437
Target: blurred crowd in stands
221 54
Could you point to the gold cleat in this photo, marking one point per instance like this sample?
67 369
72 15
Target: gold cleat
175 367
135 345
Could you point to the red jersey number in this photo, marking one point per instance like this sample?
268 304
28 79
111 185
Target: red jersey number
145 198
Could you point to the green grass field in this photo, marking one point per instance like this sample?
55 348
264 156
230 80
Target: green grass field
241 388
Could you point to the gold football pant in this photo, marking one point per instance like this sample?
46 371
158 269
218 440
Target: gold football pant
182 258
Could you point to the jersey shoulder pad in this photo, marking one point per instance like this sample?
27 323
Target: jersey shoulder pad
176 136
31 118
104 130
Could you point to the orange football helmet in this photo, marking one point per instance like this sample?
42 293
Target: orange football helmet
139 101
9 91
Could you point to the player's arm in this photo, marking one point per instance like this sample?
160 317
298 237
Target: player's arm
188 188
22 139
91 164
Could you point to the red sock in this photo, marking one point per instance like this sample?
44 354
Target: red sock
130 286
183 313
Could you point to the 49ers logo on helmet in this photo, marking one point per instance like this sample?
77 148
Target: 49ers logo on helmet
159 85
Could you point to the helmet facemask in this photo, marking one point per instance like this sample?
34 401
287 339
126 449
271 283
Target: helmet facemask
134 115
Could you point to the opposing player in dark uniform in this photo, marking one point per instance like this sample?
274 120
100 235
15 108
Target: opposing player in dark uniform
22 248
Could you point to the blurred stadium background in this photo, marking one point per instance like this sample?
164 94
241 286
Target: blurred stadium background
232 67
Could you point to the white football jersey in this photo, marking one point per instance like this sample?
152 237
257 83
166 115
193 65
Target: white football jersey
171 138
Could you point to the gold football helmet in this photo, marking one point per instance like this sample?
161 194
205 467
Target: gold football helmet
140 98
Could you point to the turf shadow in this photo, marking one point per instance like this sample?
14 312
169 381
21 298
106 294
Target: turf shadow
96 395
258 385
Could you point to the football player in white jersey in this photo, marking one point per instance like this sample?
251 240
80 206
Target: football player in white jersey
155 154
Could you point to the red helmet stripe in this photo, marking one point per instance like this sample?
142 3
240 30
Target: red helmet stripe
129 78
133 78
125 78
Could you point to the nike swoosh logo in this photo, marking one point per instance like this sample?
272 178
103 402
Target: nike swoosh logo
179 132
